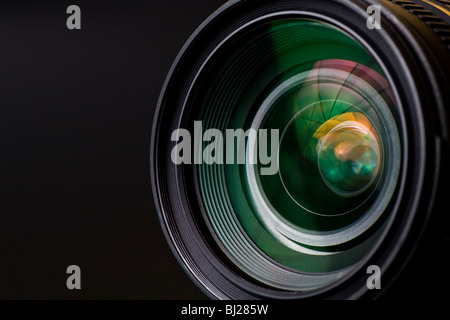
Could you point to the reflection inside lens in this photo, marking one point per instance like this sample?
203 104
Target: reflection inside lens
339 152
332 150
349 153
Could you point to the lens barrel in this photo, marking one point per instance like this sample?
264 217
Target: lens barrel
298 143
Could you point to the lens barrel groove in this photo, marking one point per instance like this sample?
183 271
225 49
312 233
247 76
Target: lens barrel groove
439 26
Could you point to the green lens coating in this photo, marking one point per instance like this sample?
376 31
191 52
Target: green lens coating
338 158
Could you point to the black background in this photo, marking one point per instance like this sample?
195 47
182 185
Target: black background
76 114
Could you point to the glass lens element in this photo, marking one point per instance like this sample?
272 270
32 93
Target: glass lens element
339 153
349 153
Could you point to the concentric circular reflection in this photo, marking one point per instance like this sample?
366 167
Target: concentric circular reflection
338 160
349 153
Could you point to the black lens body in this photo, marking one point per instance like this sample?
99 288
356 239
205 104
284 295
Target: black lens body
413 46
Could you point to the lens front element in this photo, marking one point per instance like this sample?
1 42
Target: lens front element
311 223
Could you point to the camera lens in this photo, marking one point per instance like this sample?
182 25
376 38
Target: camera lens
310 145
